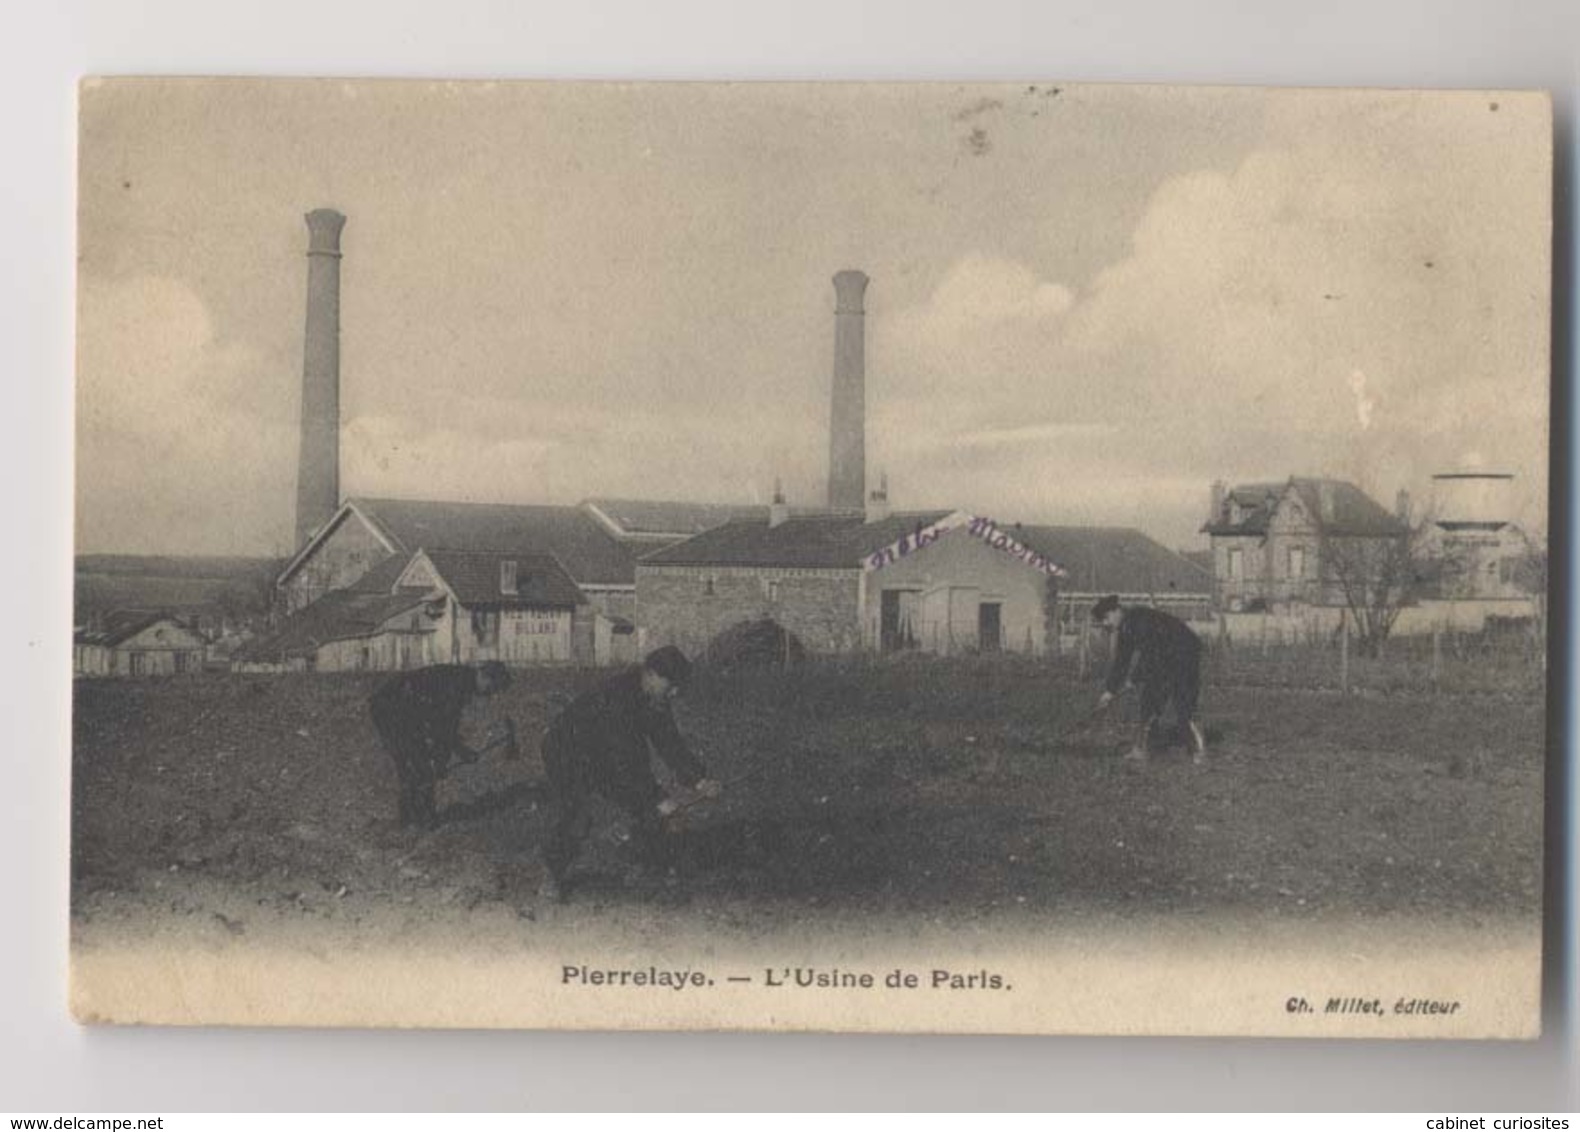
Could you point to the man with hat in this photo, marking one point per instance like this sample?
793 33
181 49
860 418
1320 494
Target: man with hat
602 745
1161 656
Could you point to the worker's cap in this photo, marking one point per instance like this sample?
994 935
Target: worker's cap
1105 606
670 663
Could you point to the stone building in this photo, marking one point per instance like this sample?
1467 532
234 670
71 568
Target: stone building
1278 547
936 581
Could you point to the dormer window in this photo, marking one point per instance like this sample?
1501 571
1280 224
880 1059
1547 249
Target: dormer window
507 577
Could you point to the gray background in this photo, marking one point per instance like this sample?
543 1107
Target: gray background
52 1065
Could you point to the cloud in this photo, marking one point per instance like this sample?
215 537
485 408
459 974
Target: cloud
1314 308
969 351
170 450
981 292
144 345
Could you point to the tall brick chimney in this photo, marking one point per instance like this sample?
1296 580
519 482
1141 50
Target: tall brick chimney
318 466
847 426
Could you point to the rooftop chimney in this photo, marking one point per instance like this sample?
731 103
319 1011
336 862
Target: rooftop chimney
1325 499
878 501
847 430
778 512
1401 506
318 467
1220 495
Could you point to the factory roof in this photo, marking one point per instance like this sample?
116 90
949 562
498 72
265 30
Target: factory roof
476 578
382 577
830 540
339 615
1336 507
584 548
121 625
1115 560
654 519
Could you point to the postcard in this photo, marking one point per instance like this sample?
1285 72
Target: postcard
1015 558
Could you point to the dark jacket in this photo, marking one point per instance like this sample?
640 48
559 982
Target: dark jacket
604 741
422 709
1162 648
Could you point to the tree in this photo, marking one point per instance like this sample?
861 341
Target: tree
1373 578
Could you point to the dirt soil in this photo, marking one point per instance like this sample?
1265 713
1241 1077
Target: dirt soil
962 788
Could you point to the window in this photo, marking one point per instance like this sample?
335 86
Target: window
507 577
771 589
707 586
1297 562
1236 564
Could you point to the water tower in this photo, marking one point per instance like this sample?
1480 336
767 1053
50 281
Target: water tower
1473 502
1472 510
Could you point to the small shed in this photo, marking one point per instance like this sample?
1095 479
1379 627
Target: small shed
133 642
347 631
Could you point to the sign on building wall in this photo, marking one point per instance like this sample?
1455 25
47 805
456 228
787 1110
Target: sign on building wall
978 527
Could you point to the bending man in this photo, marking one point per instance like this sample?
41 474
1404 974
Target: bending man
418 718
1161 656
602 744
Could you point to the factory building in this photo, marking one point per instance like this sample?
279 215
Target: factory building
386 583
943 582
584 576
484 605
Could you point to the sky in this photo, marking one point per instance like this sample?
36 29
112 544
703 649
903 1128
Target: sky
1087 302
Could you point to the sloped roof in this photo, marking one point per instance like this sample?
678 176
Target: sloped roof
1198 558
382 577
473 576
1351 511
1115 560
824 541
586 550
121 625
339 615
648 518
